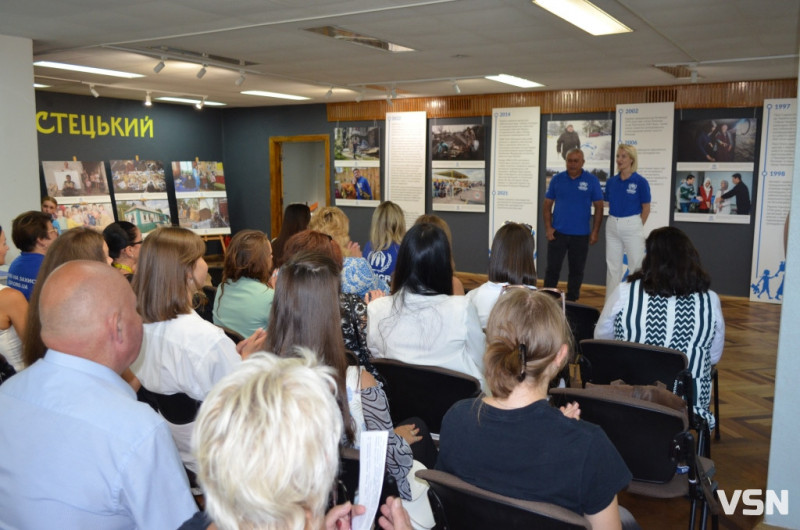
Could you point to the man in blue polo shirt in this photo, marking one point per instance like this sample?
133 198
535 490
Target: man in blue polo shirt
567 226
32 233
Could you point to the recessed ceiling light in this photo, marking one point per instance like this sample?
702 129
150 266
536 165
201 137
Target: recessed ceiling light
190 101
86 69
513 80
584 15
273 95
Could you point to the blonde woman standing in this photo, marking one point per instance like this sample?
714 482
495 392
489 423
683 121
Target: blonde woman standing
628 196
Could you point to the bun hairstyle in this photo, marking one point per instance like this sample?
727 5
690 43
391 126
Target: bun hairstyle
525 332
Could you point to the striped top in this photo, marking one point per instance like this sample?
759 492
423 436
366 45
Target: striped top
692 324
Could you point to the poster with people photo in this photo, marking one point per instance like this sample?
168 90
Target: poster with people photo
592 137
458 189
714 173
81 189
714 196
201 197
357 162
461 143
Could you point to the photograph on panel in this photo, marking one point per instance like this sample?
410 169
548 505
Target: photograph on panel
95 215
459 189
717 141
714 196
147 215
357 143
458 142
204 215
192 176
358 183
592 137
138 176
71 178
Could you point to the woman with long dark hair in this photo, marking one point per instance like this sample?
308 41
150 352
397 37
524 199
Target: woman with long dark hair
296 217
668 303
422 322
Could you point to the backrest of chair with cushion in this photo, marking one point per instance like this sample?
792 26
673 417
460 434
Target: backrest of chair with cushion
641 431
582 321
424 391
465 506
605 361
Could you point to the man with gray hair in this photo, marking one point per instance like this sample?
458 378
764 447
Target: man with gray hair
78 450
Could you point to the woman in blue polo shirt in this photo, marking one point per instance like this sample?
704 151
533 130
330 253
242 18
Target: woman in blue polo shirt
628 196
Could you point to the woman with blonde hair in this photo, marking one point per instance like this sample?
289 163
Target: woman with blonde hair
244 297
386 233
574 464
628 196
357 275
74 244
182 355
458 287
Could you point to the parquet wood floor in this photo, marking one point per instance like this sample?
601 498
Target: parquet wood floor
747 388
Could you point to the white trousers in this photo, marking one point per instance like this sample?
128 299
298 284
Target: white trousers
624 235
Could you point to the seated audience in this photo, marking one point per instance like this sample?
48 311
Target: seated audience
74 244
385 234
515 443
296 217
255 472
182 355
511 263
305 313
668 303
13 312
244 297
458 287
422 322
78 450
353 307
357 275
124 242
32 233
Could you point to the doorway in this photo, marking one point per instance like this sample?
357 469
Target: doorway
300 171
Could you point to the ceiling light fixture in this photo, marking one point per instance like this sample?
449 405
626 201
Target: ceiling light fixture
394 92
86 69
148 102
584 15
160 66
190 101
513 80
359 96
389 101
202 72
329 93
94 91
456 88
199 105
273 95
39 85
241 79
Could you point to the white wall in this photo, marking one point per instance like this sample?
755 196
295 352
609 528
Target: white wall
19 184
784 457
304 177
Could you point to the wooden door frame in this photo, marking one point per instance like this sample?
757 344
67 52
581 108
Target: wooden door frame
276 174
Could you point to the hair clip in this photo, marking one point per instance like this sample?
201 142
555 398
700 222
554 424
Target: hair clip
523 350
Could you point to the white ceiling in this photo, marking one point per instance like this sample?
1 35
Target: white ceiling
461 40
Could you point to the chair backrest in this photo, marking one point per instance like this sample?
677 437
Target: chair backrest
464 506
642 431
427 392
604 361
582 321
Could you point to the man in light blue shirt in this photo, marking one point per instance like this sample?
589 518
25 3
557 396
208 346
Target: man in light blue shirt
78 450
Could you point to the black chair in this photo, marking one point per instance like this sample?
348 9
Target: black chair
653 440
582 321
205 303
458 505
604 361
426 392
